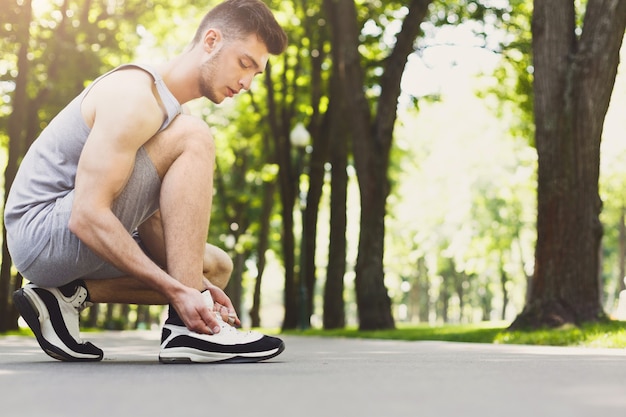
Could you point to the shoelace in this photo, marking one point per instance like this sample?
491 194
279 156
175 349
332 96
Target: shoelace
229 328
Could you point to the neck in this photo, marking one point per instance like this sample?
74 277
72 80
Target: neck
180 75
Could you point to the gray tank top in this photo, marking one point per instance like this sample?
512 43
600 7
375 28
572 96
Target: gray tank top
48 171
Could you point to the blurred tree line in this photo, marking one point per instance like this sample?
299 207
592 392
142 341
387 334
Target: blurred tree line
284 192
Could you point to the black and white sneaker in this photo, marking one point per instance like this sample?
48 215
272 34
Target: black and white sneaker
53 317
181 345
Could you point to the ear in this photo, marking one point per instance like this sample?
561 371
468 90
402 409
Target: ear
212 40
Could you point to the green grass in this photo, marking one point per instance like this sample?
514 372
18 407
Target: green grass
21 332
610 334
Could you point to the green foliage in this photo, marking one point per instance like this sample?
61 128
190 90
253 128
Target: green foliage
243 168
470 217
465 204
514 86
504 28
70 44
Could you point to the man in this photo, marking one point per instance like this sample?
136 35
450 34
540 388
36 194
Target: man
112 201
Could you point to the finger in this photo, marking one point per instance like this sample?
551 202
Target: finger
212 323
199 326
204 321
233 319
224 313
217 307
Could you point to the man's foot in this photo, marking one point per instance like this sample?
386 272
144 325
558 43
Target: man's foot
181 345
53 317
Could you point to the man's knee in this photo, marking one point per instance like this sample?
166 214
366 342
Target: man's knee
218 266
186 135
196 135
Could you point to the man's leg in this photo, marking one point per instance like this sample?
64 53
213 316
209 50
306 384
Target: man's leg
217 268
184 157
185 162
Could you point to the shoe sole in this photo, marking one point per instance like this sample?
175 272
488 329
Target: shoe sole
31 316
188 355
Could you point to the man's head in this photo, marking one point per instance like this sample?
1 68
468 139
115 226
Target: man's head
236 38
238 19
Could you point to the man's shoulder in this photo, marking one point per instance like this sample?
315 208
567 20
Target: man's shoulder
123 92
125 81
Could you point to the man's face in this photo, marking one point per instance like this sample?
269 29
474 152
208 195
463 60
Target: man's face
231 67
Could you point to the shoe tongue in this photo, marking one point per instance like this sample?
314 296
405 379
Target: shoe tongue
208 299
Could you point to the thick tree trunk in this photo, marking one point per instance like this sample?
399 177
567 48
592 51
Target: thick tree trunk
574 78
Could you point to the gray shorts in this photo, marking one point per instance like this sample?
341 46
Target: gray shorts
65 258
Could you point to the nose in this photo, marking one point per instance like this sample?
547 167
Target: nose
246 81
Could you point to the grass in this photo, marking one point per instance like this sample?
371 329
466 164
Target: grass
611 334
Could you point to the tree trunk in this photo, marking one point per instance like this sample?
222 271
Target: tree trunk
505 293
263 243
371 146
234 289
17 146
420 291
621 282
319 156
287 181
334 304
574 77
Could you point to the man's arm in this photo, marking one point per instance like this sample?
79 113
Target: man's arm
125 114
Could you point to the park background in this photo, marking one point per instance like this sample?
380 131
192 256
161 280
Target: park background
443 121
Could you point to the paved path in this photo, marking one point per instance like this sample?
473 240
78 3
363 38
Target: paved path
317 377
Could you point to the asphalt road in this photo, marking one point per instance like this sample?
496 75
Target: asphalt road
316 377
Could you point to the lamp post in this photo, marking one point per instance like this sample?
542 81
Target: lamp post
300 139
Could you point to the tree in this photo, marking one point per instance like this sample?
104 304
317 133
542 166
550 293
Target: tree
334 316
574 74
372 134
17 145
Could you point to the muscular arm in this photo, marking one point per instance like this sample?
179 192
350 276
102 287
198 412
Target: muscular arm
125 114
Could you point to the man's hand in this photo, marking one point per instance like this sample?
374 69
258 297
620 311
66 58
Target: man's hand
191 307
222 304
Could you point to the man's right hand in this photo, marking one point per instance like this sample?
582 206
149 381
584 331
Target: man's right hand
193 310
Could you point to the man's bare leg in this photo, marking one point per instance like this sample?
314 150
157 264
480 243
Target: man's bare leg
216 264
217 268
184 157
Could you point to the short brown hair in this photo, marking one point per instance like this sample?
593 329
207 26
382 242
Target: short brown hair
238 19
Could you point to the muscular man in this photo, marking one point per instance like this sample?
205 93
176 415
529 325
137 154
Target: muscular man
112 202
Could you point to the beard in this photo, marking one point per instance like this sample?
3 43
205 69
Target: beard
208 72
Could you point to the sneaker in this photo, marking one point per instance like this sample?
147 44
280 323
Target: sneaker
53 317
181 345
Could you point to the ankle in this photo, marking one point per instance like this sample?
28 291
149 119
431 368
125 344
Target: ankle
70 289
173 317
